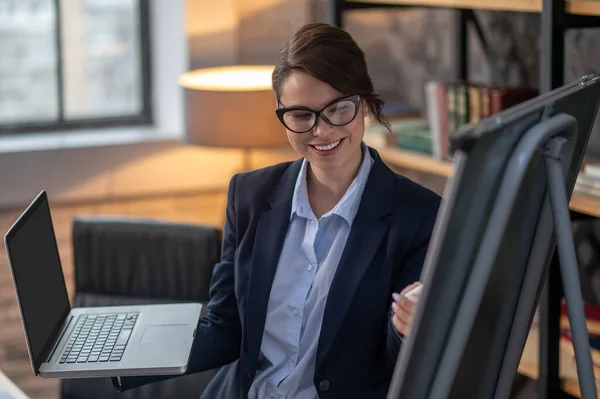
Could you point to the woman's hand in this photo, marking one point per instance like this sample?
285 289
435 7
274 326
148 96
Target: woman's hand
403 308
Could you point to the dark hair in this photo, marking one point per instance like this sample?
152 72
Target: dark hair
332 56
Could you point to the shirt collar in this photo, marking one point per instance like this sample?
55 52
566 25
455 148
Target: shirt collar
347 207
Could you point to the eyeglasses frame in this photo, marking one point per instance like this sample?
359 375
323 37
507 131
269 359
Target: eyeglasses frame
280 112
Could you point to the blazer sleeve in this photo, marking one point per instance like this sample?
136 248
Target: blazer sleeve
408 272
218 336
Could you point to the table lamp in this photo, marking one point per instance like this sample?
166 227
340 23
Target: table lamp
232 107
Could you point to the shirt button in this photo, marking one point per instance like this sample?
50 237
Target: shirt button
324 385
295 312
309 268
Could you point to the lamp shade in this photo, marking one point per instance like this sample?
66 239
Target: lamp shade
231 107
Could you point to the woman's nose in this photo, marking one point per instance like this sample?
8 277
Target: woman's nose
322 128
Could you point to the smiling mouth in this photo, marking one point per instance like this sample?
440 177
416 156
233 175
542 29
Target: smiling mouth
329 146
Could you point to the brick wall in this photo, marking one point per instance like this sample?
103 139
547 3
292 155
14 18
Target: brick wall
207 208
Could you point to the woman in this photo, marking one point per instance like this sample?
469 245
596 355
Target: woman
314 249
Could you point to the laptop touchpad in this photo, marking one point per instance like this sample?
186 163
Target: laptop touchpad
165 334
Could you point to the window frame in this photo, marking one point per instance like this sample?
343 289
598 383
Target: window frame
143 118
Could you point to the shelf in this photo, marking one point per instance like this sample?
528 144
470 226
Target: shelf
420 163
586 204
530 370
502 5
582 7
581 203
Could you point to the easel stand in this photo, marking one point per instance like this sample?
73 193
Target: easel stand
553 138
568 267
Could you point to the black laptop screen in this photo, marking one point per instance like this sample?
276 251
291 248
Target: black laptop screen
38 277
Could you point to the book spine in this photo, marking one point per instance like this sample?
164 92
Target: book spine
474 104
485 102
451 106
495 101
434 117
462 106
443 109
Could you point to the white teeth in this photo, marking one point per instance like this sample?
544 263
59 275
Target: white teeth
327 147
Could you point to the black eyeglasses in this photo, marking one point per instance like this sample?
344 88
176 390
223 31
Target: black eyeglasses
339 112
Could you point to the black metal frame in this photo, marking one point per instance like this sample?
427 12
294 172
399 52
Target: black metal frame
552 45
145 117
555 21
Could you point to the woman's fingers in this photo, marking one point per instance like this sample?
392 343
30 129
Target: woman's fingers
400 313
408 288
403 309
400 326
406 304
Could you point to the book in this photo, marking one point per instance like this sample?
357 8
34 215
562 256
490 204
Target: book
591 311
399 110
592 170
587 185
434 118
377 136
504 97
452 105
566 345
475 105
486 110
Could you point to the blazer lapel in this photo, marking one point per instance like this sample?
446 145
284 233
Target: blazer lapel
268 242
366 234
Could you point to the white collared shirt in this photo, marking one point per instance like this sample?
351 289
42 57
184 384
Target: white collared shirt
309 258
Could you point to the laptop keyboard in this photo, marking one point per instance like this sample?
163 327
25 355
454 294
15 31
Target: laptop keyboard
99 338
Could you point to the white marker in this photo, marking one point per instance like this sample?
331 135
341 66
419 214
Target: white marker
412 294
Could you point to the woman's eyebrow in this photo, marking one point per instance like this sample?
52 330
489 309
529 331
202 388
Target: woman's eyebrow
325 104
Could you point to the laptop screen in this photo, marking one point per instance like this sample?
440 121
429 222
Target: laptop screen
38 277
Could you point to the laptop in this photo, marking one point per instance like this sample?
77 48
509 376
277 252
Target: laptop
491 247
83 342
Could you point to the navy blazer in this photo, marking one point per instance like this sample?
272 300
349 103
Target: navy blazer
358 345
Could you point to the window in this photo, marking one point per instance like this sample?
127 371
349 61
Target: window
69 64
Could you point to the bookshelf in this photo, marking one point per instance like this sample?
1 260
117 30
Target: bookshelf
582 203
576 7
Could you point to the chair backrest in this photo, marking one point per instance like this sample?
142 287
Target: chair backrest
144 258
127 261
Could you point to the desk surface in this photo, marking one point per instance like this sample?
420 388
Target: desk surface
581 203
8 389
